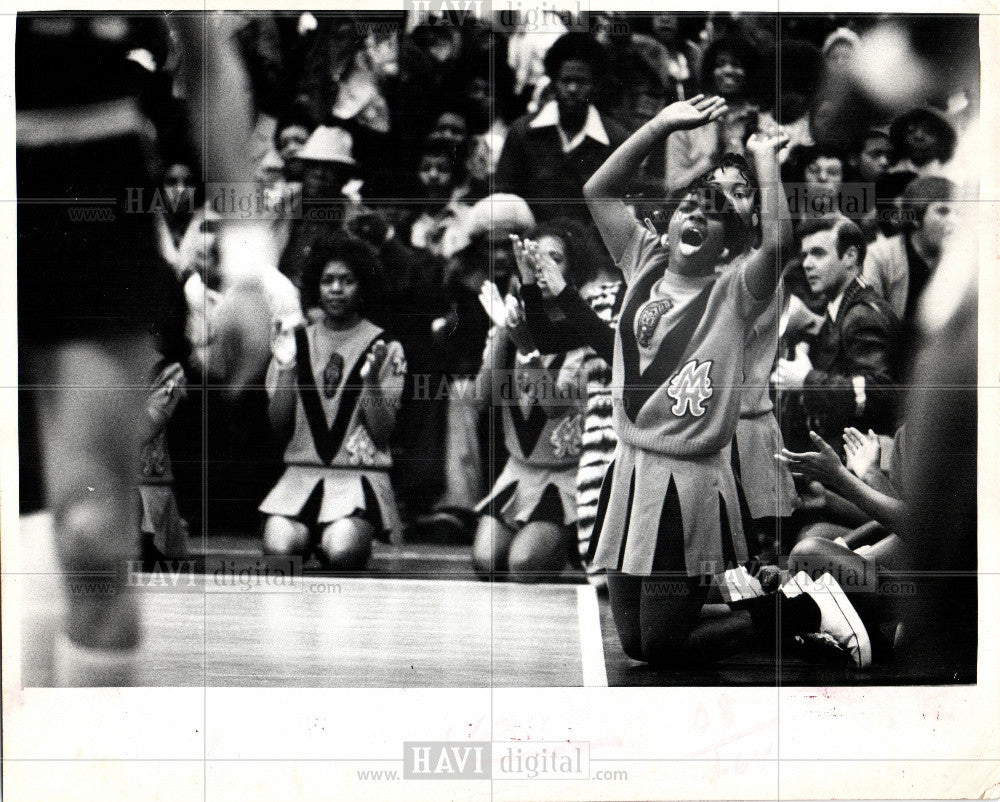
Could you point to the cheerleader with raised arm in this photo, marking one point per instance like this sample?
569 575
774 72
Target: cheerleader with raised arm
669 508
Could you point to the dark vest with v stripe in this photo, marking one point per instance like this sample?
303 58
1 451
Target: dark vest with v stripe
329 429
686 402
532 436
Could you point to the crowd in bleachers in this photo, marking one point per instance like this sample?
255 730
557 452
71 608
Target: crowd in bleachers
423 179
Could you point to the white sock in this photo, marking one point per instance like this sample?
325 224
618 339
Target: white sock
76 666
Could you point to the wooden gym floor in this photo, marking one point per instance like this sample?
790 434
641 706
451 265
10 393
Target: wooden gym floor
416 618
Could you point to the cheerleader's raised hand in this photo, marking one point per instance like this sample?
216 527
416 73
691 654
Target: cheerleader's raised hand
373 362
517 325
525 265
283 348
493 303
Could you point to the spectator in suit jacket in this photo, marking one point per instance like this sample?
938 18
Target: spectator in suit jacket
846 377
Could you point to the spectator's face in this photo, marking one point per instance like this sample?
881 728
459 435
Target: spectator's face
383 52
874 158
838 57
665 27
452 127
205 257
738 190
921 142
323 179
826 273
647 104
729 75
436 176
291 138
445 44
339 291
479 93
824 176
178 188
394 214
555 248
502 255
574 84
938 224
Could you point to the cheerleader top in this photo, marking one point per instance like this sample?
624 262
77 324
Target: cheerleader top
330 428
540 404
679 355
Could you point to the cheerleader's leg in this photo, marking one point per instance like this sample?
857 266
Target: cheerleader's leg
90 433
538 549
346 544
491 547
624 595
285 536
859 577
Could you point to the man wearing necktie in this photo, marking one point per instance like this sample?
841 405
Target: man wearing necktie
847 376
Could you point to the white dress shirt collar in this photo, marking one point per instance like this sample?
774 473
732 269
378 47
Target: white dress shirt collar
593 127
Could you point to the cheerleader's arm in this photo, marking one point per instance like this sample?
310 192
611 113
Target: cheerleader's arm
382 391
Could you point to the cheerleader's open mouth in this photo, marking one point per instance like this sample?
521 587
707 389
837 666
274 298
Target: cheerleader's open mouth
693 236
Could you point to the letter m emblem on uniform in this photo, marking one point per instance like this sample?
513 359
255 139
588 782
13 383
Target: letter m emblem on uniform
691 388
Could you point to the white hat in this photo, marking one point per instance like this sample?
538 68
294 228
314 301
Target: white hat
842 35
328 144
500 213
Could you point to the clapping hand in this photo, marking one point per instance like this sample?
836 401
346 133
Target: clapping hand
863 451
493 303
767 145
169 388
517 325
524 263
548 272
283 348
373 362
240 348
822 465
515 312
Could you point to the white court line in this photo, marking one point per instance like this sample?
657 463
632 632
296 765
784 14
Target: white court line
595 674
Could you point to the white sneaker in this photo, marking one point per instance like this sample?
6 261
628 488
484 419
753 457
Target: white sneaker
736 584
838 618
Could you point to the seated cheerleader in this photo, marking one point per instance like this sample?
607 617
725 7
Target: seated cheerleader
527 526
567 318
669 507
334 389
164 533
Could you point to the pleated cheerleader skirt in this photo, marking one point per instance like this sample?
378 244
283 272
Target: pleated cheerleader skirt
345 492
663 514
